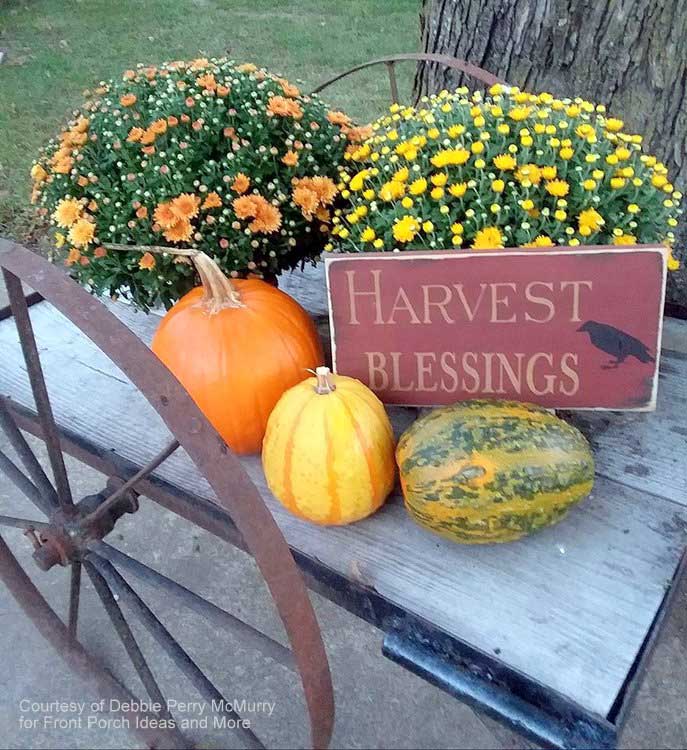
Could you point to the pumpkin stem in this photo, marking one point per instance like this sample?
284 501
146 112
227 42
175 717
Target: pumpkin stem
325 384
219 291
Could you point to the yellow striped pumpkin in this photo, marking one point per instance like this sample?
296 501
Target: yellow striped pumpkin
328 453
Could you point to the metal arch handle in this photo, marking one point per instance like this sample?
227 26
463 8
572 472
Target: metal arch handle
450 62
232 486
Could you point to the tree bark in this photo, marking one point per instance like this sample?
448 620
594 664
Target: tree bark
630 55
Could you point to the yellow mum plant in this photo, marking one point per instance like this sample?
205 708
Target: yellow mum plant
509 169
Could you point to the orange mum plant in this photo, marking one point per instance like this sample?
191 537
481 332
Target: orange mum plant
206 155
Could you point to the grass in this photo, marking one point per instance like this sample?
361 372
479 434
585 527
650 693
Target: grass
55 49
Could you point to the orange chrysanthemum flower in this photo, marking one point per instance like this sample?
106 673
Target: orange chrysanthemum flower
247 68
164 216
64 165
147 262
359 134
306 199
325 189
290 158
182 231
81 233
241 183
266 217
129 75
172 121
186 206
135 135
244 207
283 107
158 127
100 252
147 138
323 214
142 213
73 257
212 200
223 90
127 100
288 88
199 63
207 81
338 118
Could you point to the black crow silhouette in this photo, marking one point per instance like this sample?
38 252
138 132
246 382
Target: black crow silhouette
615 342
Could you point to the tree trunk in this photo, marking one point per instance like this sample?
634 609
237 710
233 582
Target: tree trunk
630 55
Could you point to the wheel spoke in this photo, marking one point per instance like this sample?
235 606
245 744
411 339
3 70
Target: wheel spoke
40 391
24 484
71 651
74 596
22 523
26 455
162 456
211 612
127 638
166 641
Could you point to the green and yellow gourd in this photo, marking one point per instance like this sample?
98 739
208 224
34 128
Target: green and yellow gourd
492 471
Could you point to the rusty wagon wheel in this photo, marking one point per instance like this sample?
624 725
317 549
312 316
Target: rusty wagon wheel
71 531
484 76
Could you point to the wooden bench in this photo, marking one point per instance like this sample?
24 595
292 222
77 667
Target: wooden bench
550 634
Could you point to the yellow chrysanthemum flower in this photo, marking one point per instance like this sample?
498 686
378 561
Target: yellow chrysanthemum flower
406 228
439 179
528 173
368 235
81 233
559 188
450 157
590 219
541 240
498 186
519 113
458 189
625 239
455 131
488 238
68 210
417 187
392 190
505 162
358 180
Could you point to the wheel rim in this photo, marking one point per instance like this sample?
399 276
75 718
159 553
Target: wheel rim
72 534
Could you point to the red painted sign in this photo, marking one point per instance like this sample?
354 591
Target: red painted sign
567 328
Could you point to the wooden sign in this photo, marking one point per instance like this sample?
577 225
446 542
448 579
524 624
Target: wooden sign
572 328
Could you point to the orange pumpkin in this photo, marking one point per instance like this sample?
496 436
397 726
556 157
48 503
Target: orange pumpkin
236 346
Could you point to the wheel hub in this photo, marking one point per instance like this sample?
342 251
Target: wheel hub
72 528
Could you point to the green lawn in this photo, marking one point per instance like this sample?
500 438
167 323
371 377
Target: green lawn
55 49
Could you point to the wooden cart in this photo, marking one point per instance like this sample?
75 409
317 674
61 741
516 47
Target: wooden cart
550 634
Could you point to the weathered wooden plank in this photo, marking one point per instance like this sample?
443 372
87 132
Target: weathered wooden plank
570 606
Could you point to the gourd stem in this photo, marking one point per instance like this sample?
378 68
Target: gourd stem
219 291
325 384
